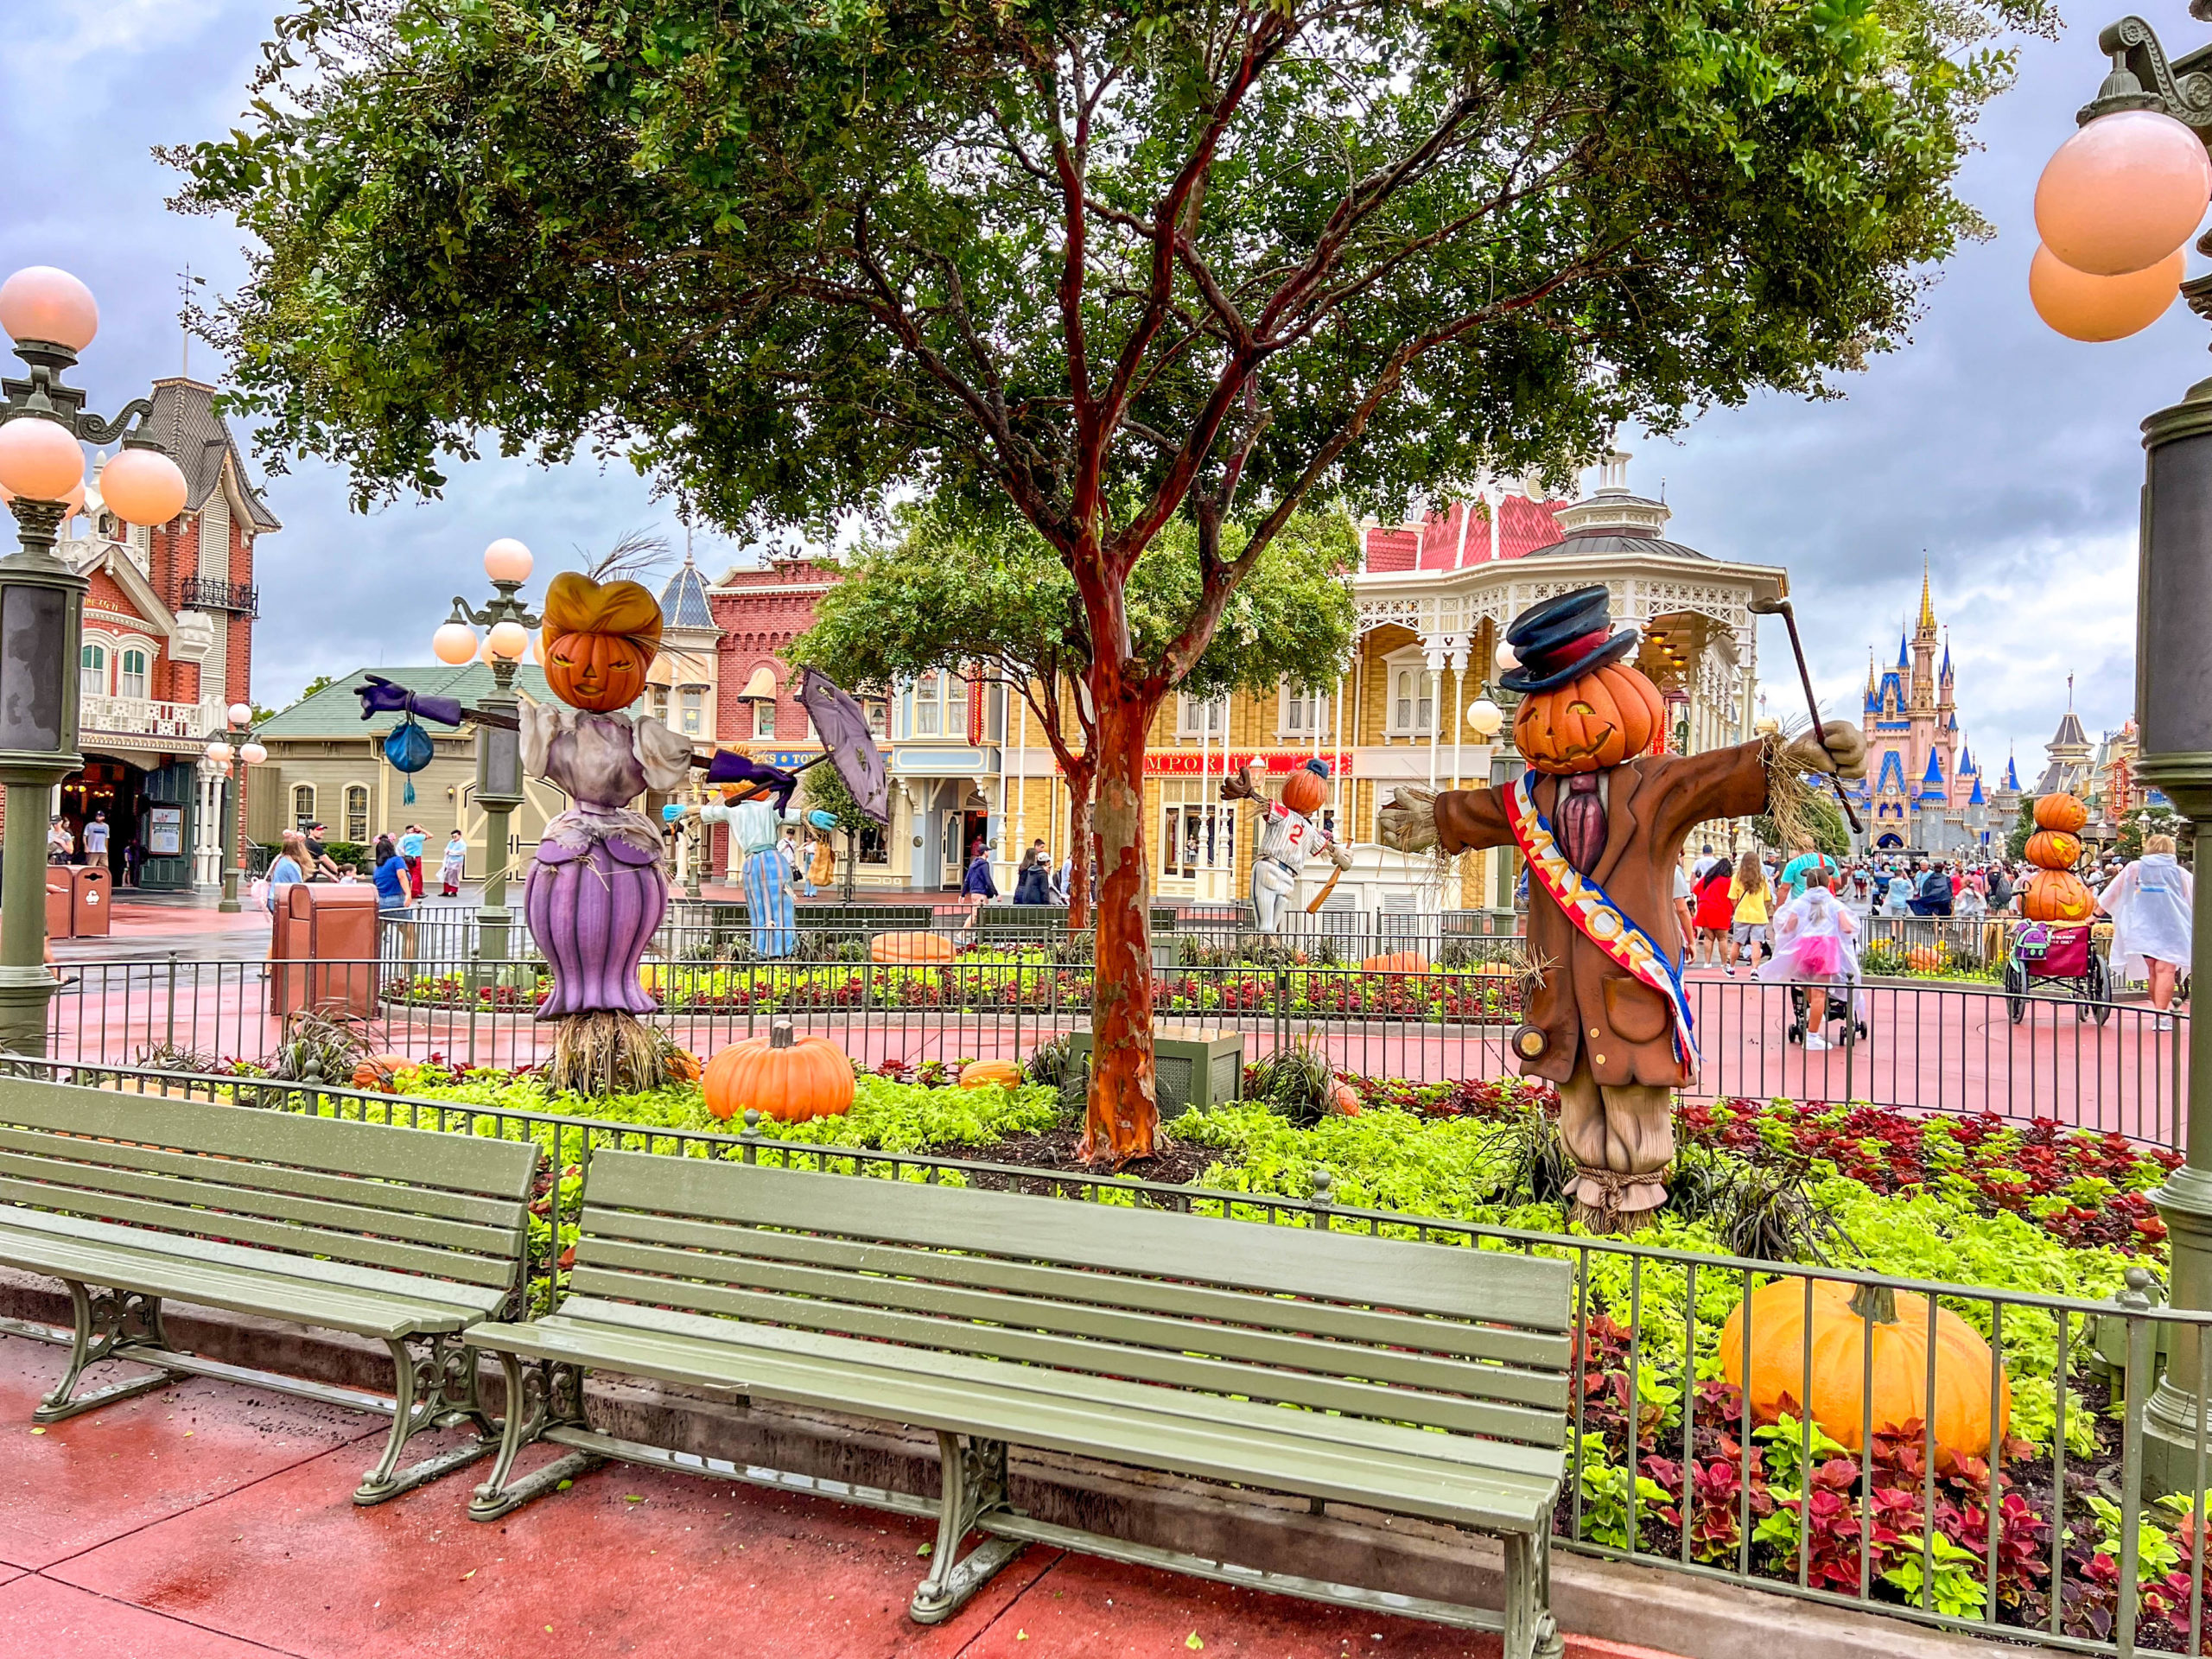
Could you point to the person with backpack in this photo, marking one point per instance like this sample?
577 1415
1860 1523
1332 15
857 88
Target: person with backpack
1936 891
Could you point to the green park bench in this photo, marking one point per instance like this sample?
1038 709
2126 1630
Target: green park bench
399 1235
1431 1381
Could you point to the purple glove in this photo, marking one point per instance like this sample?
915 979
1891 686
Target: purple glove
381 696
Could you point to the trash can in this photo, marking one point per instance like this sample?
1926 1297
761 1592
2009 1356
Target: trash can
322 949
60 891
91 894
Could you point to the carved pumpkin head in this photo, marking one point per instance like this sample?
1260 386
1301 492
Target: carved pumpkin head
600 638
1305 790
2057 896
1591 722
2060 812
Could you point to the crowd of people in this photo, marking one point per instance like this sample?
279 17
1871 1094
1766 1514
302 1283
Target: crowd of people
1763 913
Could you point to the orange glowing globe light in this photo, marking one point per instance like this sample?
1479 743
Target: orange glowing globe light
2096 308
40 459
508 560
2123 192
39 303
507 640
220 753
143 487
455 643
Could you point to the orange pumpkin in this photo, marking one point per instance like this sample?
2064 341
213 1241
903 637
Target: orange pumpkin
684 1066
2057 896
1591 722
600 639
910 947
1346 1099
783 1076
2066 812
1304 792
380 1072
1397 962
2053 849
981 1074
1845 1321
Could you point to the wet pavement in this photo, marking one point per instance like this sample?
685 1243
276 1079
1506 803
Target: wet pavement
214 1522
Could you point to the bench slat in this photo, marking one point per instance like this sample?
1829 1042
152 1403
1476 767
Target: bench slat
1021 1382
1267 1451
18 1225
275 1235
1089 1357
210 1188
1309 1355
245 1290
1170 1298
1489 1286
461 1163
413 1199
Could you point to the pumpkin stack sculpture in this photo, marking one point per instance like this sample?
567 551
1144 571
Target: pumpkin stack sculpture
2053 893
1601 815
597 891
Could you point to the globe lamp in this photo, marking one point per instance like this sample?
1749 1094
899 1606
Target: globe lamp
252 754
220 753
41 303
2096 308
2123 192
240 714
143 487
1485 717
39 459
507 560
455 643
509 639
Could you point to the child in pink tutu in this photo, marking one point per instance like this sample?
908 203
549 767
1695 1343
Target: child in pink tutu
1815 943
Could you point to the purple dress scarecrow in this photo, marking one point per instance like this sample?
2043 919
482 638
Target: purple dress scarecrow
597 891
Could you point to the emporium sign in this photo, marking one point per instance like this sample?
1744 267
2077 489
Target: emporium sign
1194 763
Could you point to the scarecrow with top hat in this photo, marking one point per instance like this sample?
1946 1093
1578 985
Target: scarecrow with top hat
1601 816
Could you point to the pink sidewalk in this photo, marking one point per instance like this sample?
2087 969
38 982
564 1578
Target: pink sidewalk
212 1522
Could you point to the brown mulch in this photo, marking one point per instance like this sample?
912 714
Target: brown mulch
1174 1163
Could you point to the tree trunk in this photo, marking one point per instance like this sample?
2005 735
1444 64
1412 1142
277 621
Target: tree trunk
1080 844
1123 1118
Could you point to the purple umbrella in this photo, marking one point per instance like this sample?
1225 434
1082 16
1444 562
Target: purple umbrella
847 743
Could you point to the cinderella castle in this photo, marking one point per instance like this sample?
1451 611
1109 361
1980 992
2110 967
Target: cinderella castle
1923 792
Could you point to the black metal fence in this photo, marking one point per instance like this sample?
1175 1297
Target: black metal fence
2036 1534
2116 1067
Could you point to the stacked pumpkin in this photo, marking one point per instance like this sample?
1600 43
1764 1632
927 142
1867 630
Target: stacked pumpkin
2053 893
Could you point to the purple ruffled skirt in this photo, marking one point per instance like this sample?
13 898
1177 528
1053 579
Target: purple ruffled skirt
593 914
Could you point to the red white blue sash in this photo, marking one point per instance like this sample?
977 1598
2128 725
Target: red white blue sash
1595 916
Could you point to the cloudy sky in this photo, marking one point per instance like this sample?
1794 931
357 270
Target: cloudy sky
2009 459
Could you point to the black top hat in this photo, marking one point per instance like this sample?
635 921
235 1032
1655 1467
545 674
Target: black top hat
1563 637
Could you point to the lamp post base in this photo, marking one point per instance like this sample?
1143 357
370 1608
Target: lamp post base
228 905
25 994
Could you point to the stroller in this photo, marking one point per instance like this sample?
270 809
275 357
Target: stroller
2044 951
1814 1006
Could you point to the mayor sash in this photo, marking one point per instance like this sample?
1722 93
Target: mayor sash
1595 916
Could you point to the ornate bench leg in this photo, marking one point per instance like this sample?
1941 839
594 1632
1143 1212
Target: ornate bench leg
973 1475
109 1323
1530 1630
434 1387
538 1397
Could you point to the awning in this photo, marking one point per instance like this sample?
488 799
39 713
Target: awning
761 688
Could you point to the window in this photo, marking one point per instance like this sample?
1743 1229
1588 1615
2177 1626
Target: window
1306 712
928 705
695 711
132 682
302 804
874 848
956 707
660 704
356 813
878 717
1197 837
1412 714
764 718
1201 717
93 660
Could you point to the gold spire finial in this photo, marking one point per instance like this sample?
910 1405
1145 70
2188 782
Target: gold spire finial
1927 605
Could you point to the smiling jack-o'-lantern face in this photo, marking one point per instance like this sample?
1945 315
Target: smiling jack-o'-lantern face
600 637
1593 721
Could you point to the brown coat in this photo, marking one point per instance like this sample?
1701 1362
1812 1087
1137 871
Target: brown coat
1652 805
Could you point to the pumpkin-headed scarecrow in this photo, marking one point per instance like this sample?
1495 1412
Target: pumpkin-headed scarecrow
1290 832
1600 818
597 891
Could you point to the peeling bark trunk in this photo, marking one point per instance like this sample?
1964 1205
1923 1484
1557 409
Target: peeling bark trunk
1080 845
1122 1120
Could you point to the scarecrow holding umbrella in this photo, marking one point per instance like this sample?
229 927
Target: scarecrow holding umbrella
1600 817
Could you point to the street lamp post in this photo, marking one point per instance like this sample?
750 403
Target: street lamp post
498 747
2115 206
51 317
231 754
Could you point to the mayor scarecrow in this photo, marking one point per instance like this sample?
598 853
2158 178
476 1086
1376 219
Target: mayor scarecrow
1601 816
